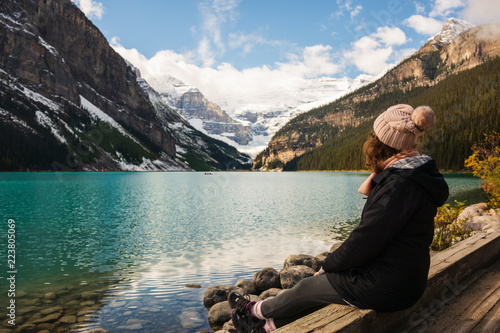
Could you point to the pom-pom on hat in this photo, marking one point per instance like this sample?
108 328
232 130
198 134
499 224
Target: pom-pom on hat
400 125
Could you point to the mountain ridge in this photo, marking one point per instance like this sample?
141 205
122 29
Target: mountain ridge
425 68
60 73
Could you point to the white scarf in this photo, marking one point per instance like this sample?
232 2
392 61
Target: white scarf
367 187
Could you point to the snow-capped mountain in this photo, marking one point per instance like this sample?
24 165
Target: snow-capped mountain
450 30
249 121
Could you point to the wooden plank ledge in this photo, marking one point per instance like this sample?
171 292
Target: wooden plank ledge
451 272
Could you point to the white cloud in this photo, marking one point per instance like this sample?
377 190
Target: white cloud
403 53
91 8
419 7
481 11
346 5
443 8
247 42
424 25
214 14
390 36
314 61
205 52
371 54
356 11
225 81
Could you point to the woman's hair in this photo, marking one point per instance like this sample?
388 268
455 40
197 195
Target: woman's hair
376 152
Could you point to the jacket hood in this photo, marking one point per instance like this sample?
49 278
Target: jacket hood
427 178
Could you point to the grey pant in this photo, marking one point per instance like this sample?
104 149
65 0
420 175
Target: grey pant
307 296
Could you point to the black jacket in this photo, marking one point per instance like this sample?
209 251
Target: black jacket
384 263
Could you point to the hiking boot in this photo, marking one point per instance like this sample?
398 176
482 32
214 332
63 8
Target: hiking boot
244 323
240 302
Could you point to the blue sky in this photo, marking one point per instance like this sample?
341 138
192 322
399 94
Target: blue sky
308 39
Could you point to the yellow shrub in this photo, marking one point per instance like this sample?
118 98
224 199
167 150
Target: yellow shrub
485 164
447 231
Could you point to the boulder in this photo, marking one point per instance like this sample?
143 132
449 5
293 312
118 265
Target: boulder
302 259
292 275
266 278
335 246
254 298
482 223
270 293
246 285
218 315
193 285
218 293
474 210
322 256
229 327
190 318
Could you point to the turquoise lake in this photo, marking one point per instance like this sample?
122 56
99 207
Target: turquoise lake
135 240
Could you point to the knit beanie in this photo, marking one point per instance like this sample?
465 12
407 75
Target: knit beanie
400 125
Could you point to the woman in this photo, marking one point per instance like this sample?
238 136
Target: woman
384 263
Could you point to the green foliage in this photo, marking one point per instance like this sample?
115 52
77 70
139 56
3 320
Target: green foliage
342 153
20 146
276 164
432 64
448 231
485 164
114 142
213 155
196 163
466 106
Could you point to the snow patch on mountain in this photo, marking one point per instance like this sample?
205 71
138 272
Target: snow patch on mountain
146 165
49 47
450 30
38 98
98 114
265 112
9 117
45 121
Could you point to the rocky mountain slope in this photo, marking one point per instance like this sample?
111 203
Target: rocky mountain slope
210 118
68 101
250 119
440 58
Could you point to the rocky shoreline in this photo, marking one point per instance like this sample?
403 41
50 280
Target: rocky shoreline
55 311
479 217
66 308
270 282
